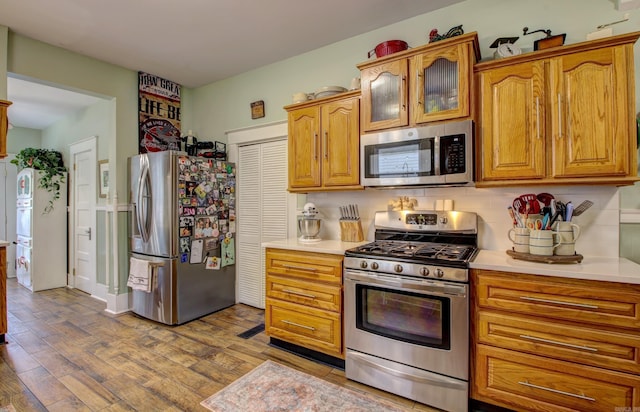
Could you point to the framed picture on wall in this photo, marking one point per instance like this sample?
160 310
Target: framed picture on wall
103 178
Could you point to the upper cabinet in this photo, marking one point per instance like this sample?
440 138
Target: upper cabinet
559 116
324 144
4 127
425 84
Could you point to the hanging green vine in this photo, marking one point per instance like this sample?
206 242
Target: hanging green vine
50 163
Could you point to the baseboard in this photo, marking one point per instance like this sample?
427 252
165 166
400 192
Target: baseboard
117 304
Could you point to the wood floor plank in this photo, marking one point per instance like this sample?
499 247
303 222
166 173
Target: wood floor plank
89 391
45 386
55 363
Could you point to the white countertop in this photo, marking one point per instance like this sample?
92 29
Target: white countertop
591 268
335 247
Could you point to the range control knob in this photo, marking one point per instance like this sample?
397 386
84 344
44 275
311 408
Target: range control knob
398 268
374 266
444 220
439 273
363 264
424 271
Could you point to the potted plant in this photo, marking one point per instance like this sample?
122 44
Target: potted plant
50 163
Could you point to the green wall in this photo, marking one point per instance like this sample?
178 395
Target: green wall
20 138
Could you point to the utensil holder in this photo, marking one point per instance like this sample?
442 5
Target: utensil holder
351 231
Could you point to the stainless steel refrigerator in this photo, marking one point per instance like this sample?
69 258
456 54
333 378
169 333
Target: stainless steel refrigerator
182 220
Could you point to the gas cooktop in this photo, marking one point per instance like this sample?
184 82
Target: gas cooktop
415 251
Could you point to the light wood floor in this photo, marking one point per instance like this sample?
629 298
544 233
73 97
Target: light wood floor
65 353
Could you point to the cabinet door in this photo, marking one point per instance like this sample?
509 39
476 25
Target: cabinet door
304 147
440 82
4 127
340 143
590 113
384 96
512 132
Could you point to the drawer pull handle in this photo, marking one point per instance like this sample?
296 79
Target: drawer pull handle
300 268
553 342
288 322
556 391
293 292
559 302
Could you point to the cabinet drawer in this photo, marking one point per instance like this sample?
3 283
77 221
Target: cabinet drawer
317 295
305 265
528 382
617 350
310 328
591 302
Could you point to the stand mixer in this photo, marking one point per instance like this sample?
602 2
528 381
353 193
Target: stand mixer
309 224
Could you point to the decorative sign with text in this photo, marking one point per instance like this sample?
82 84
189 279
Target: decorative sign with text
159 114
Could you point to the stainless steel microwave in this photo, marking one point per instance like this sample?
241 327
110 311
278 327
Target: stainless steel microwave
420 156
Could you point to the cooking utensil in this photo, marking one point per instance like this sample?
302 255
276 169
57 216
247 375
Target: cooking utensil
582 207
545 198
569 213
518 205
532 200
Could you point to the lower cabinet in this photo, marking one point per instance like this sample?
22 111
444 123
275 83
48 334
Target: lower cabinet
304 300
543 343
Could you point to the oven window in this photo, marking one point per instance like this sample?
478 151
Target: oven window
400 159
406 316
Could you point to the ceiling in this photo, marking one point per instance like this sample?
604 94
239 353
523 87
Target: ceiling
193 42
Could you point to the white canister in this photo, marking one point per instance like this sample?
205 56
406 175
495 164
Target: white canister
519 236
541 242
299 97
567 234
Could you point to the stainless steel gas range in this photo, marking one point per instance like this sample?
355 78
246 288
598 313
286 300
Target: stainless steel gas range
407 306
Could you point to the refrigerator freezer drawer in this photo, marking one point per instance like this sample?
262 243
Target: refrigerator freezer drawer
160 303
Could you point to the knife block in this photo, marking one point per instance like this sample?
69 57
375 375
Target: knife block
351 231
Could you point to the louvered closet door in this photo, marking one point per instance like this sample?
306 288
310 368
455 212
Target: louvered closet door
262 213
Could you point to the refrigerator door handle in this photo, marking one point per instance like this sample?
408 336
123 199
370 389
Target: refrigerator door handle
144 199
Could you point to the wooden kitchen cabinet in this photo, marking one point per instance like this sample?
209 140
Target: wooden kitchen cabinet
424 84
324 144
554 344
4 127
304 300
559 116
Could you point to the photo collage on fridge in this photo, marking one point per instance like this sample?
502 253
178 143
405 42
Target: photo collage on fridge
207 202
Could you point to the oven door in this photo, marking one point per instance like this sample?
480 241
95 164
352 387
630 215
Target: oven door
418 322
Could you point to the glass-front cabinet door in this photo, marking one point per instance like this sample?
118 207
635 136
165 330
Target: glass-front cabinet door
440 84
386 101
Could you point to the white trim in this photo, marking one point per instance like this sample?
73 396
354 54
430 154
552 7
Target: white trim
629 215
257 133
121 207
118 304
101 292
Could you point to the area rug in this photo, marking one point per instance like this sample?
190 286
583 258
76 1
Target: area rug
273 387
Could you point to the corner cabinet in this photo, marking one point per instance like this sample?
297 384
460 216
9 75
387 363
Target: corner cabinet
324 144
4 127
559 116
542 343
425 84
304 300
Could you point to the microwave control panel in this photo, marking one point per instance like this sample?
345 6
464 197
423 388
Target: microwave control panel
452 153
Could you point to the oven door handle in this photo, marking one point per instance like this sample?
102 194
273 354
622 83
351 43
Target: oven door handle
422 378
436 288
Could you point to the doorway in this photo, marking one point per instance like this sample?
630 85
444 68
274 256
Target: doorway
82 220
8 172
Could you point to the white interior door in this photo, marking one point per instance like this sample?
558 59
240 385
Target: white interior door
84 270
8 174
